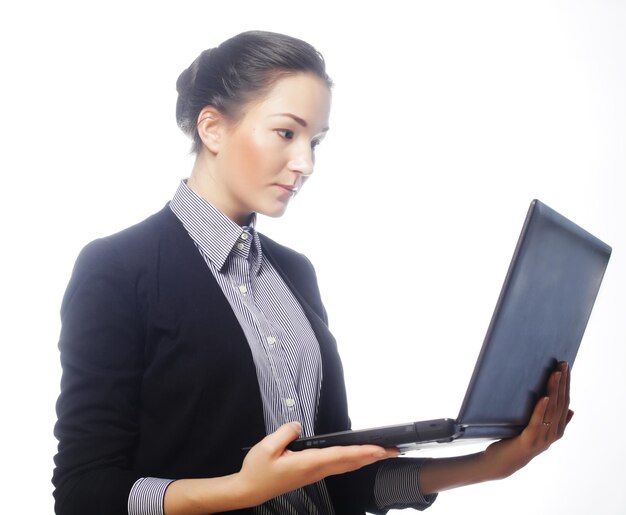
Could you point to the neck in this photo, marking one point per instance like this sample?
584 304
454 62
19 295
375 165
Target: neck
203 182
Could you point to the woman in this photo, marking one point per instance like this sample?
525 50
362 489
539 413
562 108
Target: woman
190 336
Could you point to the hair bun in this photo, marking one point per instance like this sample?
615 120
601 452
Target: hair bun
186 87
184 82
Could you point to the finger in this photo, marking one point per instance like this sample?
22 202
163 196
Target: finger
345 454
276 442
539 414
564 398
564 385
340 459
551 415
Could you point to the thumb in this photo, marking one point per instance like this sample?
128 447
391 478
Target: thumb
277 441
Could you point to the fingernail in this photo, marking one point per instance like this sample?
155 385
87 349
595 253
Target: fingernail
394 454
297 426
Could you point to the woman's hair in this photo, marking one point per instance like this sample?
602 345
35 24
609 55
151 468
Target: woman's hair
241 69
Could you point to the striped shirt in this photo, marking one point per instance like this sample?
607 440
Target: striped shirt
286 357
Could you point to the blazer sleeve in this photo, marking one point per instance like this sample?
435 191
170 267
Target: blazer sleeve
101 357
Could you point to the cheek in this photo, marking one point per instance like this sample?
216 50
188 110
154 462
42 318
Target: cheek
250 157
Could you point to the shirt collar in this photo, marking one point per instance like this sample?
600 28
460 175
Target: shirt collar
216 235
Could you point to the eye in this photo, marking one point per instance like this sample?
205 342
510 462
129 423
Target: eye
285 133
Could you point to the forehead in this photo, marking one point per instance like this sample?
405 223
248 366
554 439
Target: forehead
304 95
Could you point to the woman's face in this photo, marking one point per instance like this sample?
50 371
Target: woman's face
266 156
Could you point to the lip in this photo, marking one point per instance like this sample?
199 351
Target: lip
288 188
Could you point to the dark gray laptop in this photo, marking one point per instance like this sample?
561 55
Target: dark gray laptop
539 320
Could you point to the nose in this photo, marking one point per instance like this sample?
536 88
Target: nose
302 163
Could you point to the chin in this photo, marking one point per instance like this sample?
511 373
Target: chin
276 212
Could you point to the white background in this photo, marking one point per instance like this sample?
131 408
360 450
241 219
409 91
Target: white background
448 118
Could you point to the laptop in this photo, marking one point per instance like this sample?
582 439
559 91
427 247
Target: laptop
539 320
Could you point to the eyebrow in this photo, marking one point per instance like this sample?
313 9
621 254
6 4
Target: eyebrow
298 120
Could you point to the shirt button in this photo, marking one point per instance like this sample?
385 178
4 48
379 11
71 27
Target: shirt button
290 403
240 246
244 236
271 341
243 289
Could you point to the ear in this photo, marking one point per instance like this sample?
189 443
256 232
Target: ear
211 126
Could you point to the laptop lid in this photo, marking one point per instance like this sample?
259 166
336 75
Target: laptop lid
539 319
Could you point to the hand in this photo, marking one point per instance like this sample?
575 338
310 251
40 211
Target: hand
547 424
270 469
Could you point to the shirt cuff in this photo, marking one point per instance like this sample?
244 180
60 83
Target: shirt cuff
147 496
397 485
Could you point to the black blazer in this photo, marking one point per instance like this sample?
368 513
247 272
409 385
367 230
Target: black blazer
158 379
